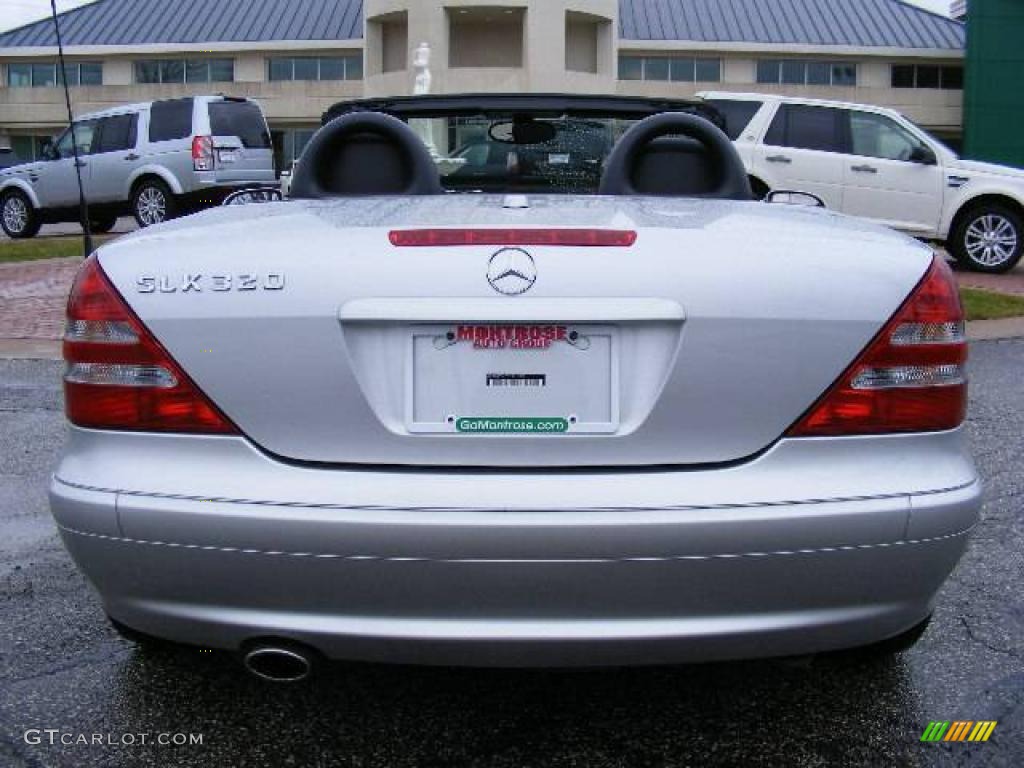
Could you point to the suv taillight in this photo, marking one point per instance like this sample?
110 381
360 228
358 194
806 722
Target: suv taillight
911 378
202 153
118 376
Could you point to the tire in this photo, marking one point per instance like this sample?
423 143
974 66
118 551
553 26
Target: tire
17 216
102 225
153 203
988 238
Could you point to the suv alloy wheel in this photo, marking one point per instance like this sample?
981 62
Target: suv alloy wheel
990 238
17 216
153 203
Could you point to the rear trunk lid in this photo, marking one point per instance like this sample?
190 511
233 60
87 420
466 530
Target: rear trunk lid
700 343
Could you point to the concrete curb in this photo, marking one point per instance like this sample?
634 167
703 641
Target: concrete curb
12 265
50 349
30 349
995 330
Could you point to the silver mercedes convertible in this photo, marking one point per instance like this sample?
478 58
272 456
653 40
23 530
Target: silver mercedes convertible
516 380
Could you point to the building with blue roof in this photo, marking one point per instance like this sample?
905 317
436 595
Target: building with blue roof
299 57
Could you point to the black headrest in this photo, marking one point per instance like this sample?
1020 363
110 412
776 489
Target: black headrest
365 153
676 154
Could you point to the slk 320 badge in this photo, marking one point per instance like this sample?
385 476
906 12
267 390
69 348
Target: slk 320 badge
220 283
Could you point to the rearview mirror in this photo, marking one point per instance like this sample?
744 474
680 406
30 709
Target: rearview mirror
522 131
791 197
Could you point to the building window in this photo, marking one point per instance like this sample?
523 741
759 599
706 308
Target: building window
631 68
707 71
172 71
950 78
953 78
819 73
24 148
29 148
315 68
19 75
656 69
49 75
89 73
280 69
200 71
677 69
794 72
803 72
904 76
844 75
332 69
928 77
44 75
306 69
682 70
147 72
768 71
288 145
150 71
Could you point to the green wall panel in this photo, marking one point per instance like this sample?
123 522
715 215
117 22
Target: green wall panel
994 88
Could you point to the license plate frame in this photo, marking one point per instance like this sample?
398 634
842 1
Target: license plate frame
436 358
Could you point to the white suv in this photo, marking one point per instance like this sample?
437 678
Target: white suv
154 160
872 162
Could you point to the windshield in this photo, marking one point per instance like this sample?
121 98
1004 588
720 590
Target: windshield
520 152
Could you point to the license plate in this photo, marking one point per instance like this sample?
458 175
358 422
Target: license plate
535 379
228 155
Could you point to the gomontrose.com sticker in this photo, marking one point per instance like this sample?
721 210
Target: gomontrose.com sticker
510 425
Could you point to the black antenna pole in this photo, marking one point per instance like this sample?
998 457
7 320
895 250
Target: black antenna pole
83 205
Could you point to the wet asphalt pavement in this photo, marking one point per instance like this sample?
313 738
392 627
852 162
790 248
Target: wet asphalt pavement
62 667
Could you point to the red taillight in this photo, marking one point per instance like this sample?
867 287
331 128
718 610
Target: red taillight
202 153
911 378
583 238
118 376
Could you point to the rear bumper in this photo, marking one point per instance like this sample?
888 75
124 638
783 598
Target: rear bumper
503 580
237 179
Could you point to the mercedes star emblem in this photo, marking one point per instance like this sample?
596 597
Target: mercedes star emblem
512 271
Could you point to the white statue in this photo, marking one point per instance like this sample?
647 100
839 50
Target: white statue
421 87
421 66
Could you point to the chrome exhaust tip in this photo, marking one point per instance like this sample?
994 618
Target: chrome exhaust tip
279 663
